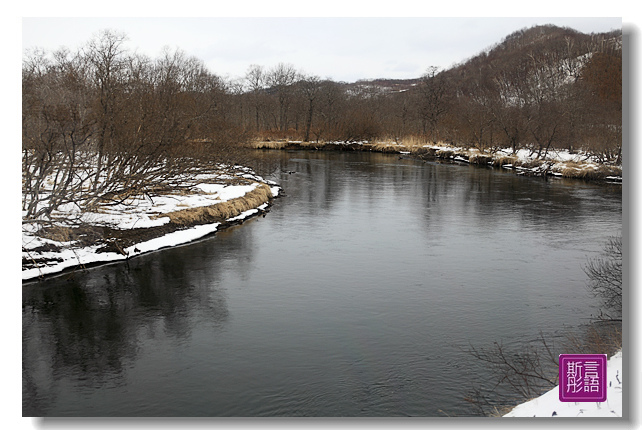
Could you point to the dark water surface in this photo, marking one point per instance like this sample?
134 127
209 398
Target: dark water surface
354 296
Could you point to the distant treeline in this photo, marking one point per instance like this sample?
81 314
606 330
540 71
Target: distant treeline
125 114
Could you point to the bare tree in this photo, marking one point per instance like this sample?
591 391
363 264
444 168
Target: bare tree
518 375
255 78
331 104
605 279
100 126
433 100
57 128
281 80
106 56
310 87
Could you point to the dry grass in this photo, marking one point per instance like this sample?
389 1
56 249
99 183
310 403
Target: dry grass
83 235
414 141
479 158
529 164
311 145
58 233
221 211
388 147
446 153
571 170
587 172
504 160
268 144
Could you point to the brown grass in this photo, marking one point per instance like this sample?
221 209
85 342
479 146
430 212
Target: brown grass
58 233
504 160
84 234
478 158
311 145
268 144
587 172
445 153
388 147
414 141
529 164
221 211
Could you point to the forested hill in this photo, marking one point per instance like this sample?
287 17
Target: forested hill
563 51
541 87
573 46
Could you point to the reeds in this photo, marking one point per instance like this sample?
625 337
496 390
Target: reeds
268 144
221 211
587 171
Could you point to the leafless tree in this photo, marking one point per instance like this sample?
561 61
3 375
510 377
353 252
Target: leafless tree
605 279
255 78
434 94
310 86
331 104
105 54
281 79
102 125
516 374
57 128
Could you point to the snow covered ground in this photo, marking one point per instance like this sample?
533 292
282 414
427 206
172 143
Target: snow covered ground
549 405
139 212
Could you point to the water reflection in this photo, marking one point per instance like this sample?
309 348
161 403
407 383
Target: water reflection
354 296
90 325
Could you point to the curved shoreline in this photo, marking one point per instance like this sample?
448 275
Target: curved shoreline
115 245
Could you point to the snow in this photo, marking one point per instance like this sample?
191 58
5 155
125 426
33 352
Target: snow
70 257
172 239
138 212
549 405
556 156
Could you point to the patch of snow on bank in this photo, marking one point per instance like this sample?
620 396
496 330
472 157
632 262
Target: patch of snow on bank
70 257
173 239
549 404
52 256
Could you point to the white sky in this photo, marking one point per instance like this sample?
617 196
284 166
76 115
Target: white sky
340 48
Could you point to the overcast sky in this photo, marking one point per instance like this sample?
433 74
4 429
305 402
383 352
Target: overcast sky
343 49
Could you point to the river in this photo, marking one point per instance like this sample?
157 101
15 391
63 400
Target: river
356 295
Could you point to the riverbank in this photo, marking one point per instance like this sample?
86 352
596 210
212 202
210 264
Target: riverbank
549 405
563 164
73 240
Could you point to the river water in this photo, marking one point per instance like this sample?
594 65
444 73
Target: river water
357 295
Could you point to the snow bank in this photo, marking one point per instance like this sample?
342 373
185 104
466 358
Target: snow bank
52 256
549 405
